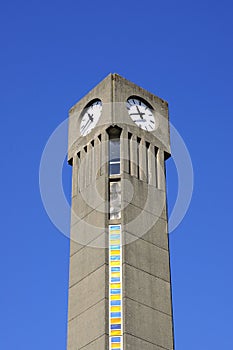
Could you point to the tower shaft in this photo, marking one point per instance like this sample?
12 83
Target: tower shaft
119 284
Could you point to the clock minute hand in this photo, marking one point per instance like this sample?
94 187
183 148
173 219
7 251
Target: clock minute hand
140 113
84 126
90 120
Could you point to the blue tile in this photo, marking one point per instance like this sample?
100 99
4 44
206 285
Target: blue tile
114 227
115 258
115 314
116 339
115 279
115 291
115 302
115 247
116 326
115 269
114 237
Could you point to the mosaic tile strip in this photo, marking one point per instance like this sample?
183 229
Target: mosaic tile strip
115 288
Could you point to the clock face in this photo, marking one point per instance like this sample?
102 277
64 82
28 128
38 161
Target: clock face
141 114
90 117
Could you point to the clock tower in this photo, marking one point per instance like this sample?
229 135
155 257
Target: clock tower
119 283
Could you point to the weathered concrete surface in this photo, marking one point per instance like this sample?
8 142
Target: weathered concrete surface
87 292
145 197
88 326
157 233
85 261
148 324
147 289
97 344
132 342
147 257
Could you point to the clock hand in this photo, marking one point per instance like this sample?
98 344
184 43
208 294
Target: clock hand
89 120
90 117
85 126
140 113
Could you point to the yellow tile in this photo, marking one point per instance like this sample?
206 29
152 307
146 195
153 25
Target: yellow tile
113 332
115 232
115 285
115 297
115 263
115 308
115 252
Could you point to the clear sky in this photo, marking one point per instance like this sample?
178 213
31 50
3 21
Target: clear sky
52 53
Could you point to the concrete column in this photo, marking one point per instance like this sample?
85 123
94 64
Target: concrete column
97 157
75 175
92 162
161 170
133 153
81 174
124 151
104 153
153 166
88 168
142 161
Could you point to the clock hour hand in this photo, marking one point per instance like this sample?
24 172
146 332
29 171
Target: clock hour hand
140 113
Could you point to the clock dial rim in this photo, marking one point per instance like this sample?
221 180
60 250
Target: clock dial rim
90 116
141 108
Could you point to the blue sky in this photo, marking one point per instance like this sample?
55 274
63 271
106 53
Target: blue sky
51 54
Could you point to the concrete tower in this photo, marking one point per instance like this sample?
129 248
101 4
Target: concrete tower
119 285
